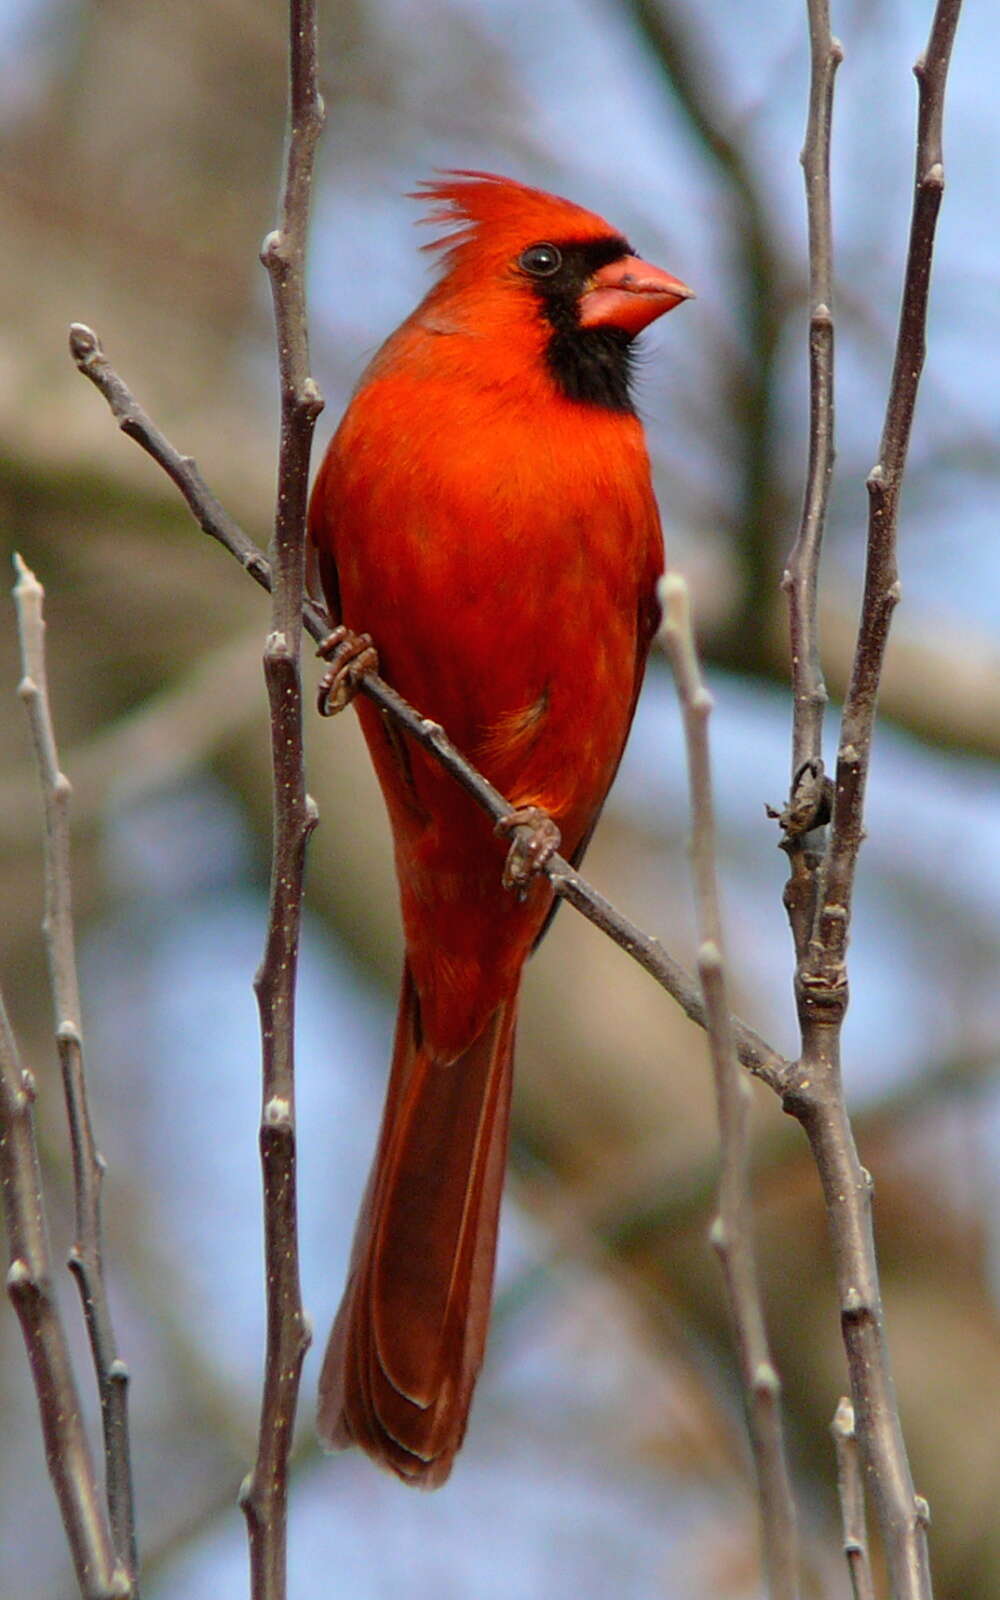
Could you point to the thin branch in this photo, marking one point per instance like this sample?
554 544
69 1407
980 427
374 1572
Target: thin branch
264 1497
732 1230
817 1097
754 1052
851 1491
802 572
881 590
29 1285
809 799
85 1258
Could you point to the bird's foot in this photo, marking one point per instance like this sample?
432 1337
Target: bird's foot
351 656
535 841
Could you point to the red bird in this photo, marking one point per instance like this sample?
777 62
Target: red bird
485 513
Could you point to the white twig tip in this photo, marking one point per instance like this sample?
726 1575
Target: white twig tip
83 341
27 584
766 1380
674 597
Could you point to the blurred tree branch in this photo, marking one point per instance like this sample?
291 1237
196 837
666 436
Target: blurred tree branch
753 519
850 1486
103 1549
29 1286
732 1229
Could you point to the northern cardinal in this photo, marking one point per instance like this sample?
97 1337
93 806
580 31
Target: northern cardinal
485 513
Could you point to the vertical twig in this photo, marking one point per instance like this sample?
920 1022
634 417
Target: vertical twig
809 801
881 590
85 1258
732 1230
802 572
29 1285
264 1497
851 1491
816 1097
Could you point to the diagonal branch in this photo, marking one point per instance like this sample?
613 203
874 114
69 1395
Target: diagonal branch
732 1230
264 1497
85 1258
754 1052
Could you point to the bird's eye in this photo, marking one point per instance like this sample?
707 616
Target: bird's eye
541 260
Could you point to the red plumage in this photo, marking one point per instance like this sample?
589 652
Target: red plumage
485 512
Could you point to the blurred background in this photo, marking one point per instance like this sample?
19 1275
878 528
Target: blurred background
139 157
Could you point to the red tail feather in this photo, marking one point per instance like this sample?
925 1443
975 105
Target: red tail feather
408 1340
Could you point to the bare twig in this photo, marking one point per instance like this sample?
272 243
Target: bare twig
264 1497
809 800
802 572
85 1258
816 1098
851 1490
732 1230
29 1285
754 1052
881 591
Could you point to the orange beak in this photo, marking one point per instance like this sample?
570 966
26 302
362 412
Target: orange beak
629 294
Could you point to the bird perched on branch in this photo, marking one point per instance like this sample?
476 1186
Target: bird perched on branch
485 514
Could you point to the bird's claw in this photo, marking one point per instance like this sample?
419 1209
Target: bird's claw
351 656
535 841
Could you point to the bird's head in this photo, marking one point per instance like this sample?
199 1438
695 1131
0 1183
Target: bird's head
533 269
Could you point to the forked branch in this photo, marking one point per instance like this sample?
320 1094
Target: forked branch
29 1286
86 1260
820 907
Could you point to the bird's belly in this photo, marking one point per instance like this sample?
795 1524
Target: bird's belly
528 662
523 646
